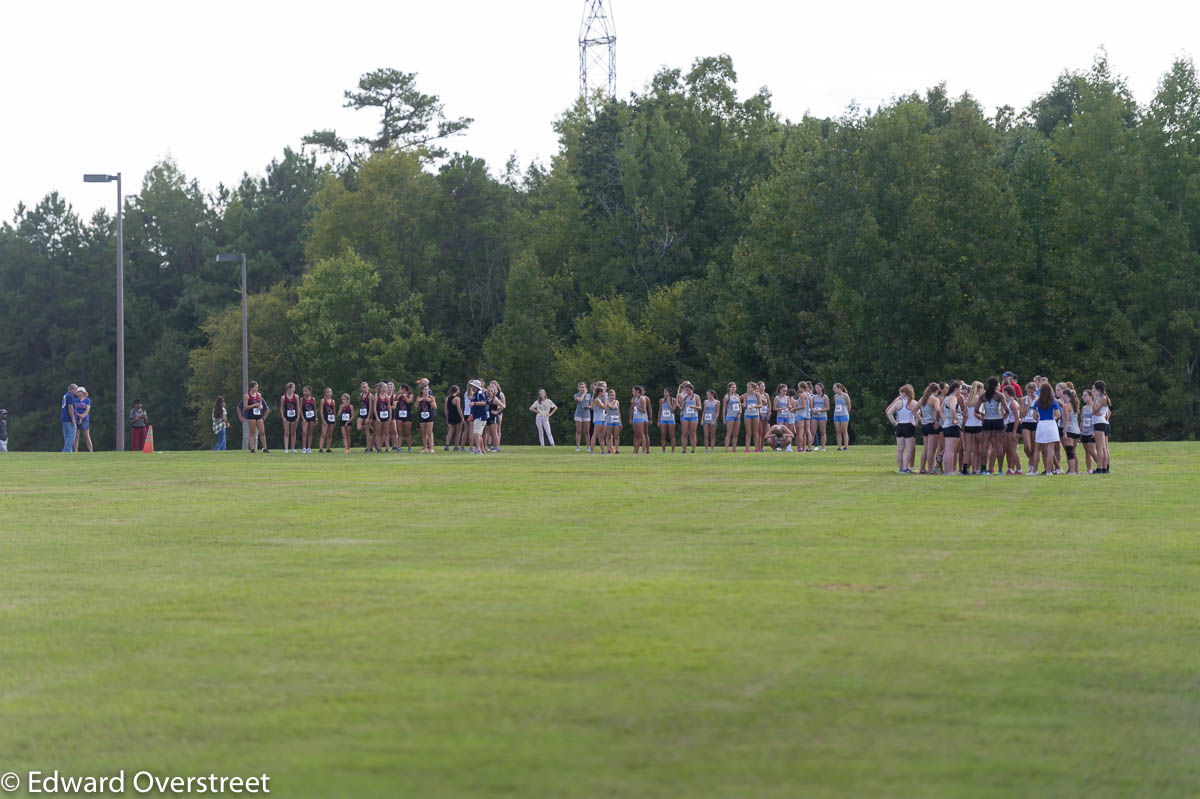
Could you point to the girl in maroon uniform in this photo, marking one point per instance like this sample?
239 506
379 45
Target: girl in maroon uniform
345 419
308 419
383 417
426 411
255 412
366 414
289 408
328 421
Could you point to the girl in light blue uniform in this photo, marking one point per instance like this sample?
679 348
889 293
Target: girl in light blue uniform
750 414
666 419
599 417
583 403
614 423
820 413
712 409
689 415
841 416
639 419
733 415
803 418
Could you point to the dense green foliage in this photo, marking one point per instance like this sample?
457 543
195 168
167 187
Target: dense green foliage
681 233
546 624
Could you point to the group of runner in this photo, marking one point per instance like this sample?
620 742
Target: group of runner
793 419
976 428
385 415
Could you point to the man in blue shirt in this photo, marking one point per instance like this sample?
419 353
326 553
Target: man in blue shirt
68 418
479 413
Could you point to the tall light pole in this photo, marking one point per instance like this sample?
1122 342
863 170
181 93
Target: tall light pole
93 178
227 259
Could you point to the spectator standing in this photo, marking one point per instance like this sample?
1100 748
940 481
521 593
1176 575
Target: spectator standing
3 430
220 422
543 408
83 418
1010 379
137 426
67 416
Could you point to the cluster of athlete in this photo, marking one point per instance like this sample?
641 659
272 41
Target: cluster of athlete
988 419
800 414
385 416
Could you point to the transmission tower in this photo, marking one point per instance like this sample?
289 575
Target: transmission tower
597 49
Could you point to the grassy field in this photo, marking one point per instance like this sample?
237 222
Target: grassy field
546 624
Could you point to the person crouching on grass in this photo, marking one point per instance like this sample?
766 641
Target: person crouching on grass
779 437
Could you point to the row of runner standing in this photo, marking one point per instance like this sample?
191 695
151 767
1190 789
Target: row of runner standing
793 419
975 429
385 416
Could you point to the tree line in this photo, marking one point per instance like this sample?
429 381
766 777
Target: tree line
680 233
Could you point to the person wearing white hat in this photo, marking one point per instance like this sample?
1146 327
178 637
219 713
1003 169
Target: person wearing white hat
83 419
479 415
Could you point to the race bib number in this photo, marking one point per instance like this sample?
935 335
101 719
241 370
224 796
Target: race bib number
424 416
708 418
290 413
256 412
362 412
402 414
310 414
383 414
330 418
345 417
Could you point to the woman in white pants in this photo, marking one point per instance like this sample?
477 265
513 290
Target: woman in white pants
543 409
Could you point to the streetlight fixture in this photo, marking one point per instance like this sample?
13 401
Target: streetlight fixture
94 178
228 259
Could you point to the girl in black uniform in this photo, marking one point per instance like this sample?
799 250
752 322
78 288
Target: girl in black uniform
255 412
454 418
426 412
345 419
308 419
289 407
365 414
404 414
328 421
383 415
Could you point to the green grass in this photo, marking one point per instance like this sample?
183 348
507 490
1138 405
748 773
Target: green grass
545 624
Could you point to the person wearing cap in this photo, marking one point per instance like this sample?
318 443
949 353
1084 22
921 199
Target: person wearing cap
83 419
67 416
137 426
479 416
1010 379
3 430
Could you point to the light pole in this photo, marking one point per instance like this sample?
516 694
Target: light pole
93 178
227 259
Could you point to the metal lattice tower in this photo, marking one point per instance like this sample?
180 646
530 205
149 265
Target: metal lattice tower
597 49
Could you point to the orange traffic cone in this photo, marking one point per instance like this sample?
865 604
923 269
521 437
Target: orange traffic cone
149 440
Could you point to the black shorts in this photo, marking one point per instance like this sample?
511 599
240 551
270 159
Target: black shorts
1010 427
952 432
993 424
1030 426
1075 436
1100 427
973 431
906 430
929 430
1088 439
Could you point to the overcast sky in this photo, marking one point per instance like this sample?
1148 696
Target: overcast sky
223 87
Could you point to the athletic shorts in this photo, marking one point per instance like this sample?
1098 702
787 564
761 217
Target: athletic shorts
993 424
1088 439
1010 427
666 421
1075 436
582 418
906 430
841 418
820 417
730 419
1100 427
929 430
1029 425
973 431
952 432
